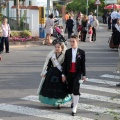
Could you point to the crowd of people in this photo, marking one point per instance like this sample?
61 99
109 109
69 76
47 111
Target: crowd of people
85 25
79 24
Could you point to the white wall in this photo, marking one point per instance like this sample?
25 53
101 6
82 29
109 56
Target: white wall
34 22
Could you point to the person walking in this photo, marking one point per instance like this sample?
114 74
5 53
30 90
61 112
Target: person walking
109 21
66 18
79 28
90 32
73 71
90 17
56 13
69 25
49 29
84 28
5 35
95 25
116 41
104 18
52 90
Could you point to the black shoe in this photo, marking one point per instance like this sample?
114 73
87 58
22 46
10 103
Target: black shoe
118 85
7 52
1 52
59 107
73 114
71 105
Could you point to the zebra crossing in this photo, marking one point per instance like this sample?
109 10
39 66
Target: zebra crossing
92 84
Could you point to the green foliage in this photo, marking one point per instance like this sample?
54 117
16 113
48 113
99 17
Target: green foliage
81 5
22 19
15 33
26 33
22 34
1 17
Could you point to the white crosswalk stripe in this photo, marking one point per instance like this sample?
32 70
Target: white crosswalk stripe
39 113
100 98
100 89
81 106
102 81
111 76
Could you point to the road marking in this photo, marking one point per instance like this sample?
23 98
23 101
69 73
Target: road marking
111 76
39 113
83 95
101 89
102 81
81 106
100 98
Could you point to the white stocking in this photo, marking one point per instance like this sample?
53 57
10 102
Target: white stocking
75 102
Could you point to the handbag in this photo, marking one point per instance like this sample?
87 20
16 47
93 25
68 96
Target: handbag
79 27
111 45
84 29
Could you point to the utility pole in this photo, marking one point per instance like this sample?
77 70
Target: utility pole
48 7
87 8
18 13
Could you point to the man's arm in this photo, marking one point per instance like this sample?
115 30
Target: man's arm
83 67
64 65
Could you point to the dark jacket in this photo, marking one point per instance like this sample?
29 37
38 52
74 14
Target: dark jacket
116 36
70 23
80 62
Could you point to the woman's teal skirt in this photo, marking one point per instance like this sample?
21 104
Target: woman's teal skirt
53 101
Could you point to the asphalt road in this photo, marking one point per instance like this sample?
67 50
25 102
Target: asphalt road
20 78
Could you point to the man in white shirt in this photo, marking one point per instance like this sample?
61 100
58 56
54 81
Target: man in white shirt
90 18
56 13
95 25
73 71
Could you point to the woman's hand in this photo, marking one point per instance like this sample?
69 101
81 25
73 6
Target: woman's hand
43 76
63 79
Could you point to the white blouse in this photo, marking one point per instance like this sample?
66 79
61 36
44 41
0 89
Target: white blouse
5 30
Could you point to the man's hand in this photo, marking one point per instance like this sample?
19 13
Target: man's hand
84 78
63 79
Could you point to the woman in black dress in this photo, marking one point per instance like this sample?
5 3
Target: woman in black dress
52 90
116 41
84 27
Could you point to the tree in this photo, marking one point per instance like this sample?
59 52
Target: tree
18 13
80 5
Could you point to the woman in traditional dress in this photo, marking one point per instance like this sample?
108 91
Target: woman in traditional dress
52 90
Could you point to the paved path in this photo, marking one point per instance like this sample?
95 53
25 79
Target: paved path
20 77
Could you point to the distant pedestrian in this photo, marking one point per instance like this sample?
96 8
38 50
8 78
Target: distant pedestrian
95 25
56 13
66 18
104 18
90 32
72 15
49 29
116 33
70 25
84 28
90 17
5 35
114 19
109 21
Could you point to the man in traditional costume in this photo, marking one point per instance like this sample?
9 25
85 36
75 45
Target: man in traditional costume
73 71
